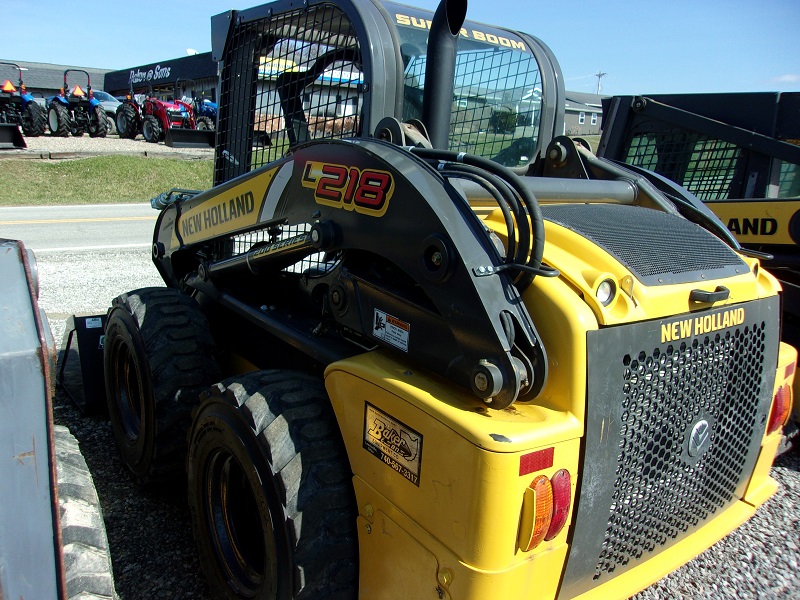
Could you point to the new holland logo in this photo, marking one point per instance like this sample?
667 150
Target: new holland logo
699 438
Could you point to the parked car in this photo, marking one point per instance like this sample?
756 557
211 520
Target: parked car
110 104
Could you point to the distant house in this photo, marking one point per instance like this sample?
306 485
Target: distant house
583 114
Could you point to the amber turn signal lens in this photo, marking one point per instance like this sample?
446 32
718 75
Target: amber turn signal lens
537 510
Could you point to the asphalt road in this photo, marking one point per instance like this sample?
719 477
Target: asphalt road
88 228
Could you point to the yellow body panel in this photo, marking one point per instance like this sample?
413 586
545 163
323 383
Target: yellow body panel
236 207
442 520
466 509
585 265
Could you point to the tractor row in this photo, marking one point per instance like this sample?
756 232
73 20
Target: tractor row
75 110
176 120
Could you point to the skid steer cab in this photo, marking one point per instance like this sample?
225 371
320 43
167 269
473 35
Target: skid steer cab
422 346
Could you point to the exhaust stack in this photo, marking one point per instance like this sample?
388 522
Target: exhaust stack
437 98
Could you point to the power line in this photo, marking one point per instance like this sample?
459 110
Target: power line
599 76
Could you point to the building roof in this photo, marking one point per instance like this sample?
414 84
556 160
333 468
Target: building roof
584 101
50 76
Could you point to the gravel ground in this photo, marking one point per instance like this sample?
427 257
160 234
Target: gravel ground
149 531
49 145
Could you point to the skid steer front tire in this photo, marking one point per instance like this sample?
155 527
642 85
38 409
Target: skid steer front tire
158 357
270 494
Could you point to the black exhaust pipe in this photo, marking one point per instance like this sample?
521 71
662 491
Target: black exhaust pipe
437 98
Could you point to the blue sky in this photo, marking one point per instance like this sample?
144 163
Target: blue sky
652 46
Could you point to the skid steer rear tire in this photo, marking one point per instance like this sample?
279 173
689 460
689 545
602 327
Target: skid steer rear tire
270 494
159 356
86 554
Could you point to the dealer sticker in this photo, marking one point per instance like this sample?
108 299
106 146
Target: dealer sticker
393 442
391 330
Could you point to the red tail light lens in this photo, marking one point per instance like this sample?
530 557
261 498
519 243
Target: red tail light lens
562 494
781 407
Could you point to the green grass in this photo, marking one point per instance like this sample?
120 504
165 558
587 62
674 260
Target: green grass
98 180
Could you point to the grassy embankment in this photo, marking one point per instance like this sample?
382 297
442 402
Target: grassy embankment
98 180
103 179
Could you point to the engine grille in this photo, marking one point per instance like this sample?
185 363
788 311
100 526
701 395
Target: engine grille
660 492
673 432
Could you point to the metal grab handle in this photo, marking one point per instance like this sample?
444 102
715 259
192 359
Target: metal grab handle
721 293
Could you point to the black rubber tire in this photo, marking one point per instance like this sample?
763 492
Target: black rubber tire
158 357
151 129
97 123
58 120
86 554
34 121
127 121
270 493
205 124
111 124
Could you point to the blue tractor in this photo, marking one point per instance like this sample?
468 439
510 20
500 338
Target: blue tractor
18 109
205 111
76 111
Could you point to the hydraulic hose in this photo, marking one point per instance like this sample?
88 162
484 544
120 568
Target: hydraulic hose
534 262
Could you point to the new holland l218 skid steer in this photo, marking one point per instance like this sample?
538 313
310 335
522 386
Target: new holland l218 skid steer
422 346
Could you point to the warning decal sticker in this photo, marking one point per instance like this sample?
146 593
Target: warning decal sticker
391 330
393 442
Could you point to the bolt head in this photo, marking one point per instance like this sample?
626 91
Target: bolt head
481 381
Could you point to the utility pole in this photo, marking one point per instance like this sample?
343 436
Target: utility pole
599 76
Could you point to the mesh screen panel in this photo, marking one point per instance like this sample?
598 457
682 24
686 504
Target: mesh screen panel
704 166
644 240
287 79
660 492
496 101
789 180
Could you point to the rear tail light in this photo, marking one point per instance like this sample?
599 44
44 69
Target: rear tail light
545 509
537 511
781 407
562 493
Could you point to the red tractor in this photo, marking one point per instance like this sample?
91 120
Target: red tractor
171 121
